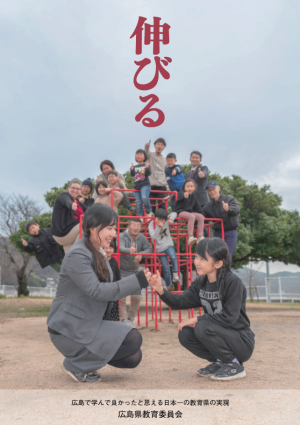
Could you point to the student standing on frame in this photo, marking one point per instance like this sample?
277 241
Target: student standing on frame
158 164
199 174
222 336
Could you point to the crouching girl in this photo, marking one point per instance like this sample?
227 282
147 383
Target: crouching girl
222 336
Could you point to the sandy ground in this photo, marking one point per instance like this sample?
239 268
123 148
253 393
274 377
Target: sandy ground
28 360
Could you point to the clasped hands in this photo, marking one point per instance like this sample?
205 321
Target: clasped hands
154 281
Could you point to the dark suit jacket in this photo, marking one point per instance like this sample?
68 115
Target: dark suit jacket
201 193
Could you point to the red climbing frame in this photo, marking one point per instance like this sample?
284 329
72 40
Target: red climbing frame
178 232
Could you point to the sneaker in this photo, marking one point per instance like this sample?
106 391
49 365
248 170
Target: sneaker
200 239
192 240
209 369
83 377
229 371
131 322
175 278
171 288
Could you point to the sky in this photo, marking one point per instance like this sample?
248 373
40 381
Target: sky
67 98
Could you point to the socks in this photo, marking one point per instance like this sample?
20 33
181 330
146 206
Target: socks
233 361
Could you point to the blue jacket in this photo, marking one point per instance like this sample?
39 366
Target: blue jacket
175 182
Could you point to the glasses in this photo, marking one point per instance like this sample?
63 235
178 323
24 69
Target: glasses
75 188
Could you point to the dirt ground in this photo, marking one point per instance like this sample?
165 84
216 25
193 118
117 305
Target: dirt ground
28 360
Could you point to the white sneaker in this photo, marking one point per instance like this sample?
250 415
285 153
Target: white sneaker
175 277
192 240
131 322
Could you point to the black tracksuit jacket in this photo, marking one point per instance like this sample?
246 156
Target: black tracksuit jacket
233 295
190 204
214 209
45 248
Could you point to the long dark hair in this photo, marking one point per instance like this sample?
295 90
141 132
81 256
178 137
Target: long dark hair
217 249
100 216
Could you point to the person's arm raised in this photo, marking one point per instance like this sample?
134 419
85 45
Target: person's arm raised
27 246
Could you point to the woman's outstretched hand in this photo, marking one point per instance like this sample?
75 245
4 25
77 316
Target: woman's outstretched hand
155 283
187 322
148 274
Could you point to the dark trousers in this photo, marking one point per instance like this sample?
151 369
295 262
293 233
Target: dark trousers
125 201
211 342
230 239
157 196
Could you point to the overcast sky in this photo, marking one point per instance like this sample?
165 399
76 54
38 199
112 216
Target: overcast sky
67 99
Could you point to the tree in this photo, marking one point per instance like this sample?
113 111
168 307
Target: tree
267 232
53 193
13 210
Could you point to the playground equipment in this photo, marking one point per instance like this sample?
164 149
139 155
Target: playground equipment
185 259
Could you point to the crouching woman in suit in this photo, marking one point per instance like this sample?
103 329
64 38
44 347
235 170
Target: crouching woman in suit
78 322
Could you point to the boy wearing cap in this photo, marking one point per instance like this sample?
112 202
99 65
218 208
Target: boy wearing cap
199 174
157 164
86 190
226 208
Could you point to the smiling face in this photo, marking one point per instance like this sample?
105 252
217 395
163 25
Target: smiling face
134 228
159 147
140 157
207 266
109 252
189 187
106 168
101 189
214 192
85 190
104 237
171 162
34 229
112 179
74 189
195 160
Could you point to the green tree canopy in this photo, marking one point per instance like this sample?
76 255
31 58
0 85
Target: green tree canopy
267 232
